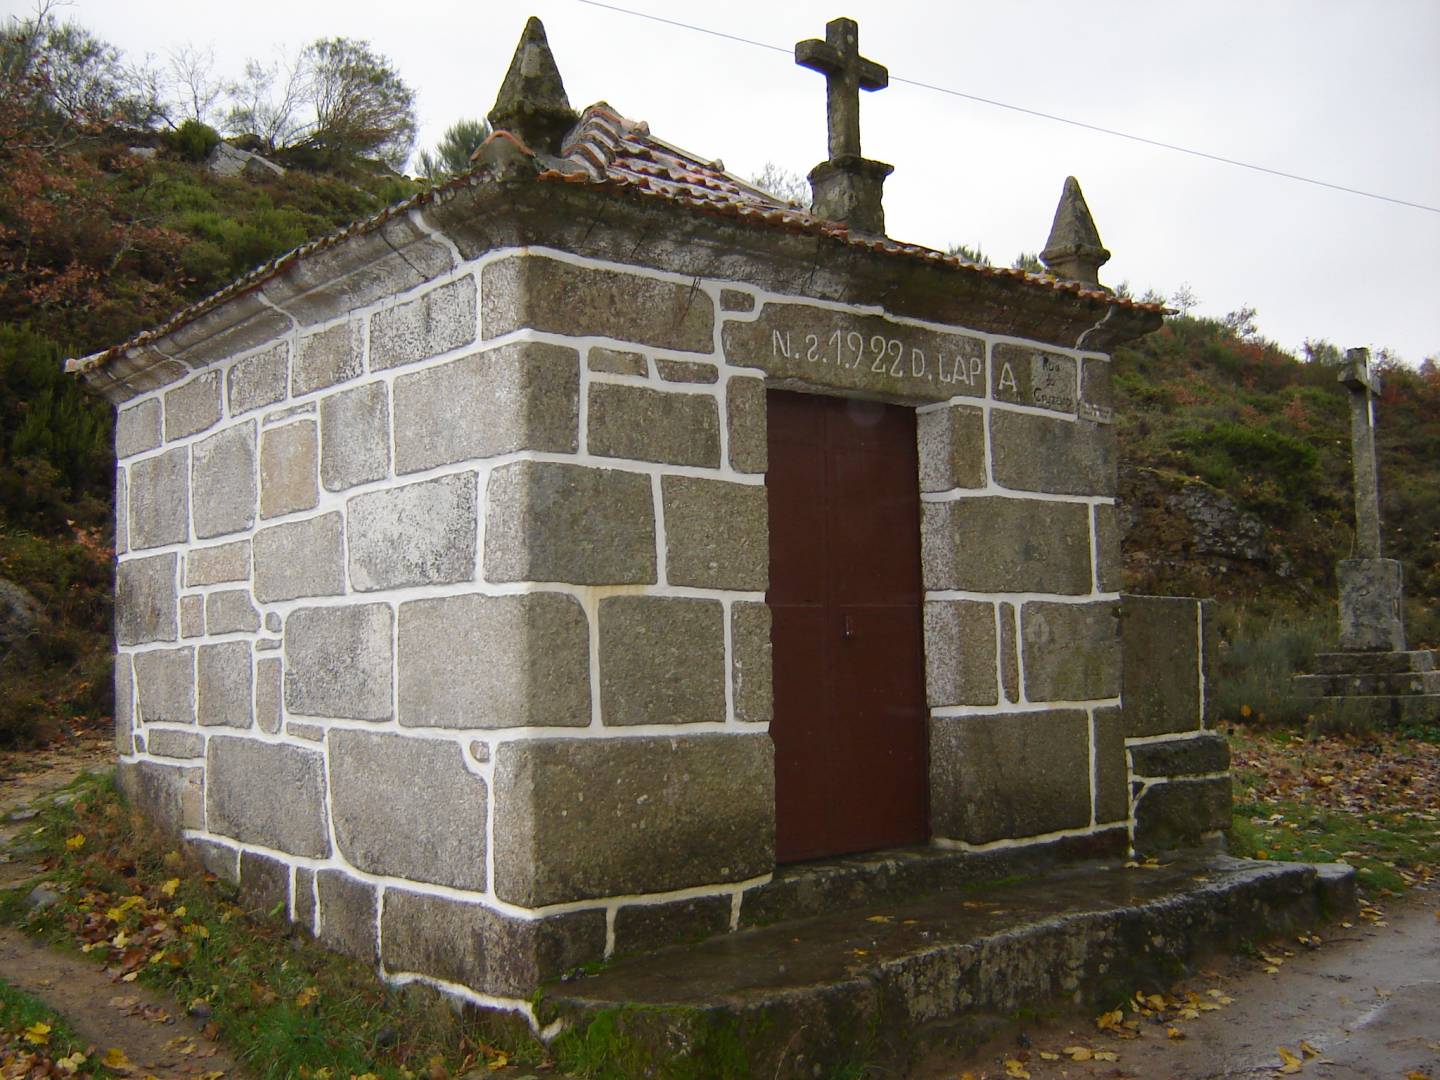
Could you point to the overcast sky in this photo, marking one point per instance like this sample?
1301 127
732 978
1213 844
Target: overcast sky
1336 90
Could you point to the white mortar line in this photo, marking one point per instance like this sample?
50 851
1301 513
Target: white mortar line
994 490
1010 843
1021 597
1020 690
1094 788
1023 706
1176 736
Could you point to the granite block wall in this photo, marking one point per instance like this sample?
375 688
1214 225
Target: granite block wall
440 608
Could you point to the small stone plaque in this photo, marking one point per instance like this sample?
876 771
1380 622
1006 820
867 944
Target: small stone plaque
868 353
1034 377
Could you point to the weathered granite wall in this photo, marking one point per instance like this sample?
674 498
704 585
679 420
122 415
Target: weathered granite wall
440 606
1179 767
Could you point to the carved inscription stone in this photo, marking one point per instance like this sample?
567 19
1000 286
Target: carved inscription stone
865 353
1029 376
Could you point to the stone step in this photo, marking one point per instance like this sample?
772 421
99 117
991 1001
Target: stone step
1380 711
880 985
1374 663
1367 685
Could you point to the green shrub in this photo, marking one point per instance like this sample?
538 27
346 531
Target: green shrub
1256 662
193 140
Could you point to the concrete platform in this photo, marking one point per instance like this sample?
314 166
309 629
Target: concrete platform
881 984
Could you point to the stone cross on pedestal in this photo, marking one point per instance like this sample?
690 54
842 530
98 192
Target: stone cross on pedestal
847 187
1371 590
1364 387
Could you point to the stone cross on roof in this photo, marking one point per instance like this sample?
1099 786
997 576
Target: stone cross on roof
1364 387
846 74
847 186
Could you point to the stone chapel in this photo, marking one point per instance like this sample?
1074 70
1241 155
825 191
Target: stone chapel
571 559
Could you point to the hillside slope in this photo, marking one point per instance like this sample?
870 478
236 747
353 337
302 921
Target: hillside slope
1235 454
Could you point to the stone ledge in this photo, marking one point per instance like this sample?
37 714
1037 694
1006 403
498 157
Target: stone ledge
1061 940
1374 663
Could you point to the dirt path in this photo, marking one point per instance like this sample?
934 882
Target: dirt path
1367 1001
152 1030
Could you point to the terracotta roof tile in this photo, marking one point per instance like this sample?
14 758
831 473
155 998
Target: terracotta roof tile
607 151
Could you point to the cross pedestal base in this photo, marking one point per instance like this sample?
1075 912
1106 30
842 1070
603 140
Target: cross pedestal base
1371 609
848 189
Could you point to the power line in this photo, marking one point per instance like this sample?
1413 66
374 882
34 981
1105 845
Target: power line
1160 144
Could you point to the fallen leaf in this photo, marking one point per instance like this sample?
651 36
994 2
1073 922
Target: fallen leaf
116 1060
170 886
38 1033
1308 1050
76 842
880 918
1046 1055
307 996
1079 1053
1172 1032
1106 1055
1289 1062
1016 1068
70 1064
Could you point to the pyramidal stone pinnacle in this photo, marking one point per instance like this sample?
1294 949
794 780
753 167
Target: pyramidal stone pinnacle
532 103
1074 251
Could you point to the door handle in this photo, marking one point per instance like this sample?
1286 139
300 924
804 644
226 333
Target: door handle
849 631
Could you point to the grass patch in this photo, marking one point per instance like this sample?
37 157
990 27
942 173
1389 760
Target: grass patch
285 1006
1372 802
34 1040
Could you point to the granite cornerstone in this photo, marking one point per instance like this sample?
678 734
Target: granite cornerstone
521 575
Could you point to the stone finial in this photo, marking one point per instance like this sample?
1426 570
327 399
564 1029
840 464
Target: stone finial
1074 251
532 102
847 186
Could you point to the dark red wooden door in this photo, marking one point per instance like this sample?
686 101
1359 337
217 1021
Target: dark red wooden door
845 594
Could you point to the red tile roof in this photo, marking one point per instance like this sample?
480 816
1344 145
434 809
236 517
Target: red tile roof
607 151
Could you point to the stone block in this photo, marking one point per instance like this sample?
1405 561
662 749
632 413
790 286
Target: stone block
1372 600
122 513
435 322
302 899
192 616
223 478
137 428
1097 392
583 818
124 705
524 396
747 424
487 950
1190 756
338 662
1041 379
960 654
751 671
640 424
230 612
169 743
268 794
1041 453
193 406
223 685
687 371
264 883
408 808
1179 813
555 522
218 564
300 558
801 343
1161 665
165 686
545 294
171 796
952 448
146 600
418 534
346 914
1112 769
355 437
662 660
476 661
219 859
160 500
1009 654
735 300
1410 661
289 461
268 694
1072 651
616 361
259 379
1009 776
717 533
1108 563
991 544
646 927
327 358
